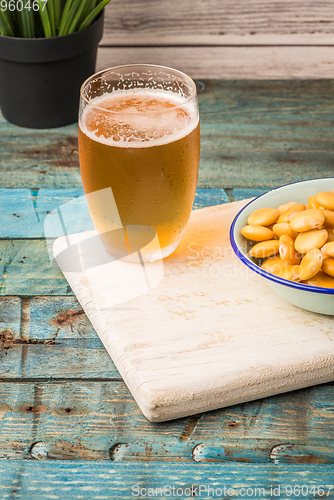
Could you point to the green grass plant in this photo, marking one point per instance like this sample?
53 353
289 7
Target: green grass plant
47 18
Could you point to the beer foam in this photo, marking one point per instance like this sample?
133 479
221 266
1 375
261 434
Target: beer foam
138 118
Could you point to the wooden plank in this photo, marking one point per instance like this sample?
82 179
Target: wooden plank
228 62
25 266
10 331
66 342
286 129
248 128
43 158
49 338
10 315
96 480
25 269
23 211
209 198
137 22
275 427
85 420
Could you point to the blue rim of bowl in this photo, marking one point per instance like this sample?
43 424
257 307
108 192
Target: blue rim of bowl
259 270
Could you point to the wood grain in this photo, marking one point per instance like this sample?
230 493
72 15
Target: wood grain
25 266
266 63
220 39
194 353
23 211
25 269
127 22
59 341
282 128
96 480
295 427
85 420
65 376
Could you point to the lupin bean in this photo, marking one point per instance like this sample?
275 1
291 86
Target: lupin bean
285 207
294 209
304 248
325 199
284 228
287 250
329 218
312 202
291 273
265 249
321 279
328 249
316 238
311 264
273 265
257 233
330 235
328 266
263 216
306 220
277 266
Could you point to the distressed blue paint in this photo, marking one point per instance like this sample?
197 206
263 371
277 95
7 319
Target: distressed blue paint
10 328
81 419
283 129
10 315
243 194
101 480
23 211
210 197
25 269
58 316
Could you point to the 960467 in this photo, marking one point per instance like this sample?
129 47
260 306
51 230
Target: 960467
20 5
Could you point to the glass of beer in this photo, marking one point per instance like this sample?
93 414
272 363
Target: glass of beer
139 147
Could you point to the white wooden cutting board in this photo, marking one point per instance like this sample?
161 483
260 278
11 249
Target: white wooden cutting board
199 330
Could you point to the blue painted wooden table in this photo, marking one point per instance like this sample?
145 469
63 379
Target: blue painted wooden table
69 427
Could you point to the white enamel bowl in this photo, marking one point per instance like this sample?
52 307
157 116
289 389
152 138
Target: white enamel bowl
312 298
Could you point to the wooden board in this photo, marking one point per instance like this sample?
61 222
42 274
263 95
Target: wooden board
222 39
207 333
112 481
261 62
194 22
77 419
62 398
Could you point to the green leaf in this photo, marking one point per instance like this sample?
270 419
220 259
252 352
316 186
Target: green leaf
89 6
27 22
57 7
76 18
6 24
50 7
65 19
44 15
56 17
90 18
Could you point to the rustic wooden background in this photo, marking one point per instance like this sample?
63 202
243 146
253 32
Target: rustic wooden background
222 38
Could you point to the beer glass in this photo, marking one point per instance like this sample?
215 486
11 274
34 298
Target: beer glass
139 146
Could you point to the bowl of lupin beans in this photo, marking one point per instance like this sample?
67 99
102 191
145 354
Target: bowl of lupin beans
287 236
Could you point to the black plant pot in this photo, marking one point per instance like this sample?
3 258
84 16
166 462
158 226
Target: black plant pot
40 78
